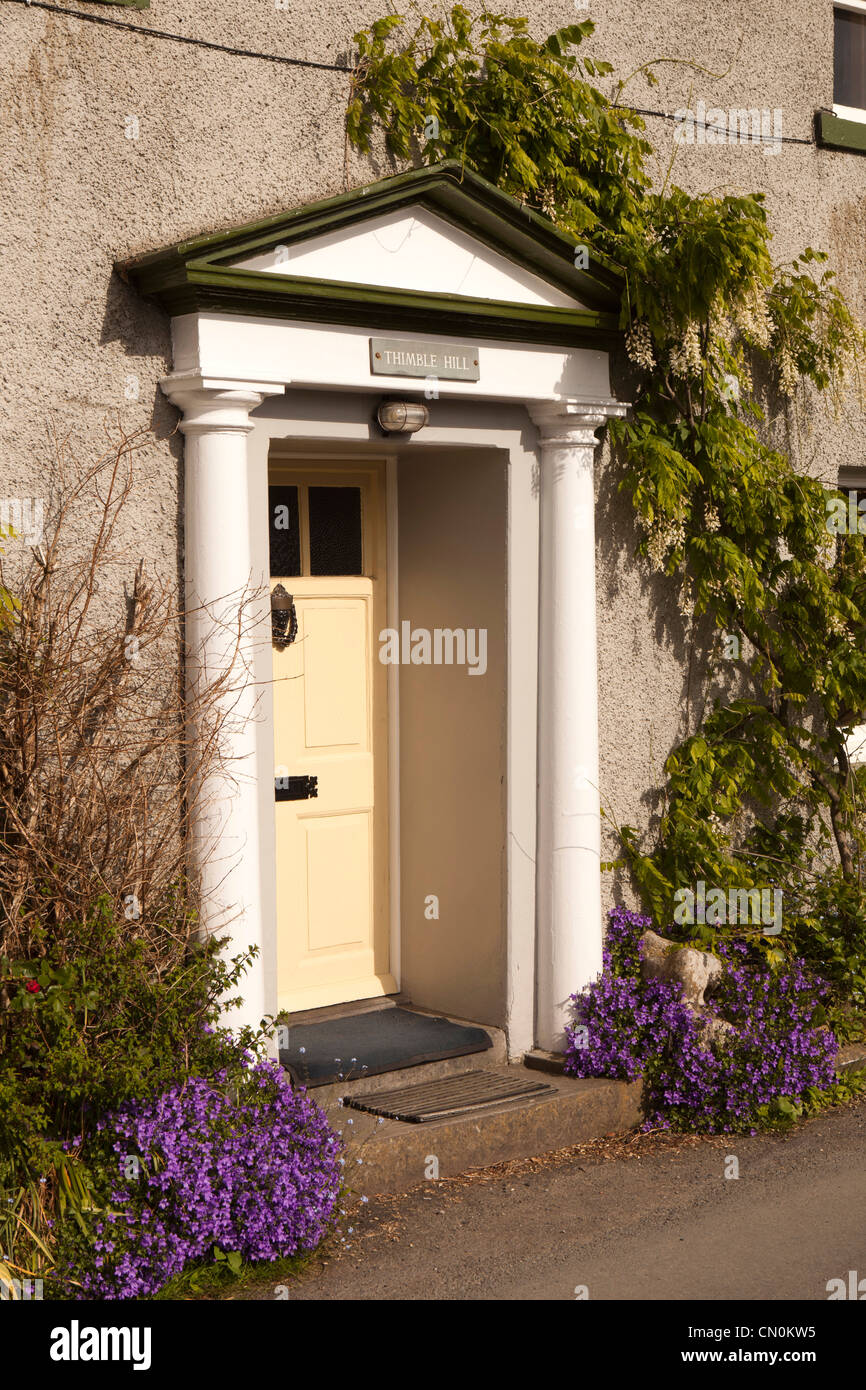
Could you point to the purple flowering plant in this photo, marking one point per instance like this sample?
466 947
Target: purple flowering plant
249 1166
631 1028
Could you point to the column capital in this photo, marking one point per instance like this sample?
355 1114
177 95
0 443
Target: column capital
574 422
216 405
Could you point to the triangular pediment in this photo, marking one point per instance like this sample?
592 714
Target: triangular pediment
437 249
412 249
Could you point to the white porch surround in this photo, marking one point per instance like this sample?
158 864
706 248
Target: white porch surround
568 884
221 566
220 574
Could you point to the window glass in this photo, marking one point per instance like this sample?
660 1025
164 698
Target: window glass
849 74
285 531
335 530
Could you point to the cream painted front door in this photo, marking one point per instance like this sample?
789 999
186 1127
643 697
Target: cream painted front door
328 550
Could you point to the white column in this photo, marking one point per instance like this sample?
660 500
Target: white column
221 575
569 824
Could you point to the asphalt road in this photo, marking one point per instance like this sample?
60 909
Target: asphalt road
647 1218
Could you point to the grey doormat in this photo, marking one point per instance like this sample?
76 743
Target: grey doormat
436 1100
367 1044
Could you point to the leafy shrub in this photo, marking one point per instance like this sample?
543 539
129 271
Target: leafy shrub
90 1024
256 1172
628 1028
827 923
88 1027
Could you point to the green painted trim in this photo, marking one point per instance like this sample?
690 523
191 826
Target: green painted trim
456 194
835 133
205 288
516 231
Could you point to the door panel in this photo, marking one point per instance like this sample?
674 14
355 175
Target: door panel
339 904
336 668
330 722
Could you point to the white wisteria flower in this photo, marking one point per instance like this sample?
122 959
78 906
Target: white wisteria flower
686 356
754 319
639 346
663 537
788 373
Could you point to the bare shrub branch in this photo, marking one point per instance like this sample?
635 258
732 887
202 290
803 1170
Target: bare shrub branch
104 749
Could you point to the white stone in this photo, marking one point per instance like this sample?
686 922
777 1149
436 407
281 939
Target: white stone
697 971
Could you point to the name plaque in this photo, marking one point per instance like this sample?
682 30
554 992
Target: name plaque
446 361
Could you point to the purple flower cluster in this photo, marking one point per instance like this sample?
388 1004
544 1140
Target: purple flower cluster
256 1171
626 1027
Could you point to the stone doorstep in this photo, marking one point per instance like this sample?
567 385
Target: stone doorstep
396 1155
493 1057
551 1062
362 1006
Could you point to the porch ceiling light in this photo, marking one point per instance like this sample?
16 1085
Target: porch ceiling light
402 417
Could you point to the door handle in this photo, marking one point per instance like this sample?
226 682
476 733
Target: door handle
295 788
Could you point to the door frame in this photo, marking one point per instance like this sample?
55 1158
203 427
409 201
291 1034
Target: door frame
293 454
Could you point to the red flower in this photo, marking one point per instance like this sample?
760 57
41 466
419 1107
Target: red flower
32 986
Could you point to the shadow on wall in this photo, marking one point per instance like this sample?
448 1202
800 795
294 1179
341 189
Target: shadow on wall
143 330
677 657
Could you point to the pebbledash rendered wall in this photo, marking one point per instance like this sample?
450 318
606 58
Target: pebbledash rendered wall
114 144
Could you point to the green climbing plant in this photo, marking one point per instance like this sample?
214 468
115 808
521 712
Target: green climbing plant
762 793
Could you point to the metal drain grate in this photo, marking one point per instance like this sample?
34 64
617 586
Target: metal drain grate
436 1100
